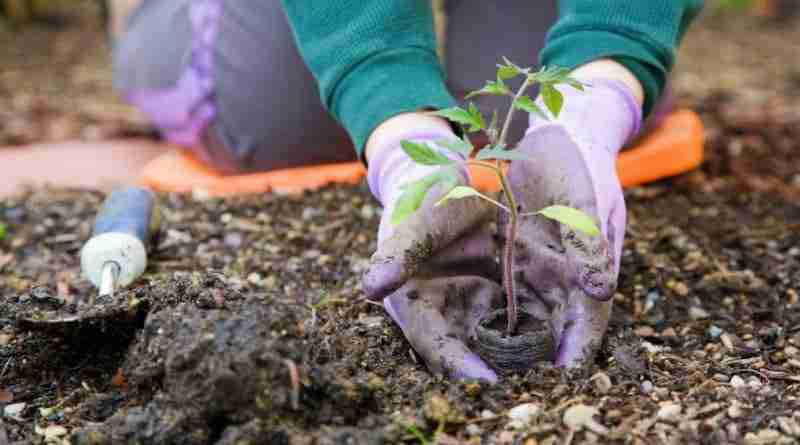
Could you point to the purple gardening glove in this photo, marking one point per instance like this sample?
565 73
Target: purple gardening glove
562 275
436 272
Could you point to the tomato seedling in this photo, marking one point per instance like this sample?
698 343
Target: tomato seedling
494 156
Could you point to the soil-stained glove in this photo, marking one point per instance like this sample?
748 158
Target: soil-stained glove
562 275
436 271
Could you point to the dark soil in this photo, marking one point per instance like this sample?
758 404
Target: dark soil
249 326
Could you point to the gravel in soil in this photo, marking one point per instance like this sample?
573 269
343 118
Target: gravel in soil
249 326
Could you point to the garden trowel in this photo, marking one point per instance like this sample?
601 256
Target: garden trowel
114 257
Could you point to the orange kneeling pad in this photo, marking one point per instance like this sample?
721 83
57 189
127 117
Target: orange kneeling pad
675 147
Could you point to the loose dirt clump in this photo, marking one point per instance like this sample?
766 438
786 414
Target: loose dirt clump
219 369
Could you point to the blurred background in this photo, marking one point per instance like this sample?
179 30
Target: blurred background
739 67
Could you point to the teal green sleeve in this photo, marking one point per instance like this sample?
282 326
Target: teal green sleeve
372 59
643 35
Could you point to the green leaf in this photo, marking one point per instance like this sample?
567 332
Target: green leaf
422 154
500 153
461 146
461 192
572 218
553 99
458 193
574 83
478 123
471 117
3 231
555 75
497 88
550 74
414 192
508 70
455 114
525 103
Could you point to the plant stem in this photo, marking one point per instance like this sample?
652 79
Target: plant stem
512 310
498 172
507 122
508 257
508 251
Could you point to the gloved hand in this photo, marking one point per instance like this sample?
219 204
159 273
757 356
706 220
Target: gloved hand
436 272
563 275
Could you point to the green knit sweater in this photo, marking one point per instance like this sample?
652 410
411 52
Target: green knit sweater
374 59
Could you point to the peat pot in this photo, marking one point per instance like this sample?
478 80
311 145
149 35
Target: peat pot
532 343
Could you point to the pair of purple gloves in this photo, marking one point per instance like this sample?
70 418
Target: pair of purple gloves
437 274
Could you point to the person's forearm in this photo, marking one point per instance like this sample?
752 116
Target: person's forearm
373 60
642 36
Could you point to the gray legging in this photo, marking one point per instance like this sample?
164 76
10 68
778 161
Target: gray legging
224 77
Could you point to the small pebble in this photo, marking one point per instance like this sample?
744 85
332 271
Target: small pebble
438 408
669 333
727 341
473 430
722 378
669 412
254 278
312 253
14 410
524 413
789 426
505 437
681 289
368 212
661 393
487 414
602 381
375 382
763 437
696 313
371 322
714 331
737 382
647 387
580 416
233 239
52 432
651 300
733 432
